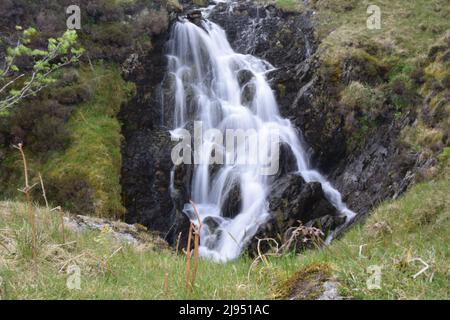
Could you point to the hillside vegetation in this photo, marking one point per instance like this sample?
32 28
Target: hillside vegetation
72 137
397 237
70 131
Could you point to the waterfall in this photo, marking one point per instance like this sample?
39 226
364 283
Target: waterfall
207 76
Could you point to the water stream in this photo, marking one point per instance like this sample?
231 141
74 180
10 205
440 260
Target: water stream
207 74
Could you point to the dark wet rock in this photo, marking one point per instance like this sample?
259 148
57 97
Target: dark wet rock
244 77
287 160
327 223
146 154
293 199
292 202
146 178
195 16
248 93
248 87
232 203
212 223
382 169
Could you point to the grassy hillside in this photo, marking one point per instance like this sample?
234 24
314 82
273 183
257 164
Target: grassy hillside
94 153
110 269
396 235
398 69
83 175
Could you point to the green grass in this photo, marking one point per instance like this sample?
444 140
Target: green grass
288 5
94 153
409 29
415 226
409 26
132 273
398 232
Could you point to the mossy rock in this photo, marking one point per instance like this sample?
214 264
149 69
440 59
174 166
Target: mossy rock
360 66
305 284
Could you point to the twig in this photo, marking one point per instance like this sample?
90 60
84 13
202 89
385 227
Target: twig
61 221
263 257
306 233
11 82
4 246
360 251
115 252
70 260
425 268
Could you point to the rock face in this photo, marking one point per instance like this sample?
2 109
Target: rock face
146 153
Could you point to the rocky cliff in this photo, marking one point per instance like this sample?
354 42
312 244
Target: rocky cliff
367 163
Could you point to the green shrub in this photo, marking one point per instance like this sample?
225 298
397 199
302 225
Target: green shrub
444 157
363 98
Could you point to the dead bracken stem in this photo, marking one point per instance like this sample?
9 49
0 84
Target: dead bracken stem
61 221
188 256
26 190
196 244
178 243
166 283
45 198
43 190
63 234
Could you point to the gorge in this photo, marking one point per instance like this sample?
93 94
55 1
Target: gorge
199 71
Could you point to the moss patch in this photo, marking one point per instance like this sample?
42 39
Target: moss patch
85 177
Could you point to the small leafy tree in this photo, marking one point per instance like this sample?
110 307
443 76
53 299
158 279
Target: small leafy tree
17 84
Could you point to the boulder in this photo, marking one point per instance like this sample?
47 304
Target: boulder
292 202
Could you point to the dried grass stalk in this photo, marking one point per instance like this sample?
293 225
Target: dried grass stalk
188 257
196 244
26 190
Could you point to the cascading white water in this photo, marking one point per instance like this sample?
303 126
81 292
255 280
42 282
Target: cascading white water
206 70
